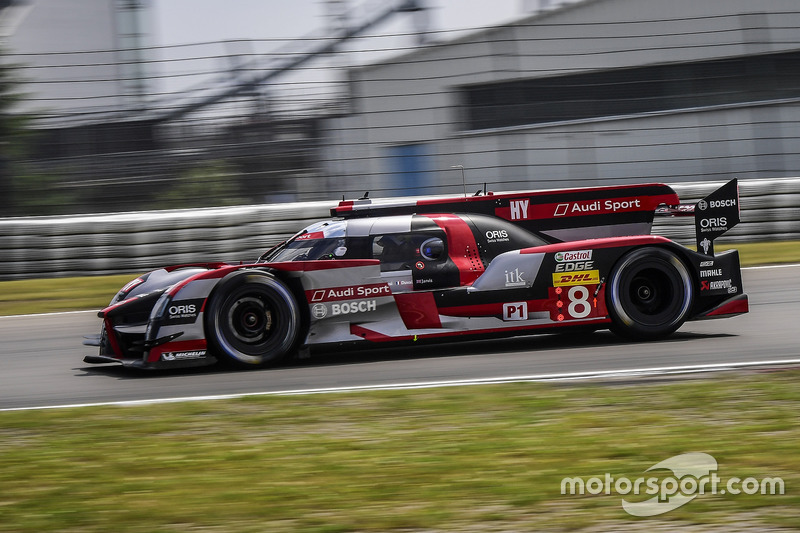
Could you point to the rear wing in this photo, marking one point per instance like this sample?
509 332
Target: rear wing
714 215
557 215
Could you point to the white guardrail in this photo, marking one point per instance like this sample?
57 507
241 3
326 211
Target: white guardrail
58 246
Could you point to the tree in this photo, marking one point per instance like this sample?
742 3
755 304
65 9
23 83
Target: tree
14 131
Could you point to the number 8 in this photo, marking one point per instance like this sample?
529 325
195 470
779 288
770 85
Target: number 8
576 301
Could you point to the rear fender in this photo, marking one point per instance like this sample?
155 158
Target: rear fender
718 278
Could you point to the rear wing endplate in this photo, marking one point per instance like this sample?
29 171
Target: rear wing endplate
713 215
716 214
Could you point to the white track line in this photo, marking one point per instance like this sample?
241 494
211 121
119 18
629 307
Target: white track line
59 313
571 376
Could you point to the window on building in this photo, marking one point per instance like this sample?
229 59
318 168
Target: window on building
632 91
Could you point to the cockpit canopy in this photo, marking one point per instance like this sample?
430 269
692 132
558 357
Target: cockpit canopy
431 249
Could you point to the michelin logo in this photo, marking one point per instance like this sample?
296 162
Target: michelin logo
183 356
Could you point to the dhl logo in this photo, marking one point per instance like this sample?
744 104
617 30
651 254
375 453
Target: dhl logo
565 279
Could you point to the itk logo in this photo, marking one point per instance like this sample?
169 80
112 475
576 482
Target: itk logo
514 278
692 474
519 209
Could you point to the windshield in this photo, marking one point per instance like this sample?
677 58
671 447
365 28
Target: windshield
309 250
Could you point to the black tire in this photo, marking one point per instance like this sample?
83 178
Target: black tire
649 294
252 320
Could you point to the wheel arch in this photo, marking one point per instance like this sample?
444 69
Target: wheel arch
681 254
295 286
684 254
291 283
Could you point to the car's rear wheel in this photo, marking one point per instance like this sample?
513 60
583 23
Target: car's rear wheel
252 320
649 294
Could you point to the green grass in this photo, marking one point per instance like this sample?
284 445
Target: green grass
766 253
487 458
62 294
73 294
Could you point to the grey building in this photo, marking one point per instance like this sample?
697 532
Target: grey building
590 93
81 59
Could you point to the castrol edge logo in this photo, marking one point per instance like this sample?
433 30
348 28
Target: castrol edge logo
579 255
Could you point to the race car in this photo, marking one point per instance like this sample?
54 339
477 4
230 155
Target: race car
406 270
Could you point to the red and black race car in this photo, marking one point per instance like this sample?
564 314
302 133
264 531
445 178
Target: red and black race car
406 270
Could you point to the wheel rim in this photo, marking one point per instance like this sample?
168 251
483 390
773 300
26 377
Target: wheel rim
250 320
651 292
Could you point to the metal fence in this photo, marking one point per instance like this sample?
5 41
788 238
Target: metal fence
61 246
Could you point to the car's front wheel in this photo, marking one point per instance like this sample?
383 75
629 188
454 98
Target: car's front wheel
649 294
252 319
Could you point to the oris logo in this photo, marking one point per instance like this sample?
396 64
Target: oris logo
189 309
183 311
711 223
497 234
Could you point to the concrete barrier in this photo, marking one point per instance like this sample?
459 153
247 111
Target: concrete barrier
140 241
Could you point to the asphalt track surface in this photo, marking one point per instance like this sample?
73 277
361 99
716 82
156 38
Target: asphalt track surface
41 356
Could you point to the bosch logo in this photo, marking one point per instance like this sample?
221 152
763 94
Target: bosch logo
729 202
319 311
702 205
347 308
